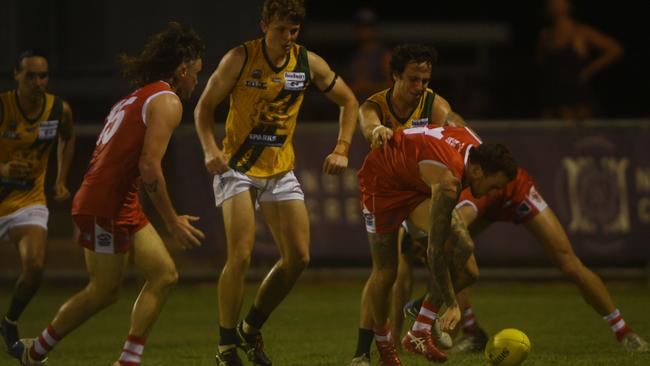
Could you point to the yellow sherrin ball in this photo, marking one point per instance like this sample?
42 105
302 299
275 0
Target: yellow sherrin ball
509 347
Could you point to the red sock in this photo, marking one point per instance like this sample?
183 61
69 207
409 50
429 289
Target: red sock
44 343
132 351
428 313
383 334
617 323
470 326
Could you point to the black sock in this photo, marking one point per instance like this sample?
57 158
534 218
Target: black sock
227 336
22 296
364 342
256 318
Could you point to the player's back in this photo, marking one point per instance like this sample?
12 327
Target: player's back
112 178
395 165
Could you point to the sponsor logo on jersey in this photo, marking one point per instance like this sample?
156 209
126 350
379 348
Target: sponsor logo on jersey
255 84
267 139
47 129
420 122
294 80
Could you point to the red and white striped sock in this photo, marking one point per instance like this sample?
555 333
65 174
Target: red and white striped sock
428 313
470 326
617 323
383 334
132 351
44 343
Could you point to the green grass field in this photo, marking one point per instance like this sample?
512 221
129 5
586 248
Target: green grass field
318 322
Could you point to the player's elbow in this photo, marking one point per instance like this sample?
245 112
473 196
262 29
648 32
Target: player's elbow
149 168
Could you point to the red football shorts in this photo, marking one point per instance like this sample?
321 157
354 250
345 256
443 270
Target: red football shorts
384 213
109 235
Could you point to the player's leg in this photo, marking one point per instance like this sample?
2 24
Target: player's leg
153 261
548 231
105 277
30 241
403 286
289 226
473 338
239 222
375 302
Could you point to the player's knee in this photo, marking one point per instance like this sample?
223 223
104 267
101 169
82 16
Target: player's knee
33 270
472 273
239 261
104 295
169 278
300 262
572 267
385 276
449 189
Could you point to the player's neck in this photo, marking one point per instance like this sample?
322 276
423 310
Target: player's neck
401 105
30 105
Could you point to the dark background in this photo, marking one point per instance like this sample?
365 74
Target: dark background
83 39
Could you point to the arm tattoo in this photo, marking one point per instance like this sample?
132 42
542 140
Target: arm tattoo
443 201
151 187
461 240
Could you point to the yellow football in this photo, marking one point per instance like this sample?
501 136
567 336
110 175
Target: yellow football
509 347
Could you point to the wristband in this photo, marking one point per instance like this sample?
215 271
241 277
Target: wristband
342 148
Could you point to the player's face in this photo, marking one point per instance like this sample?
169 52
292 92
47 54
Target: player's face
187 77
280 35
483 185
413 81
33 77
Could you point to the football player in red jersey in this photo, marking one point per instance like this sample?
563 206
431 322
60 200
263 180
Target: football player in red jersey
106 209
519 203
418 174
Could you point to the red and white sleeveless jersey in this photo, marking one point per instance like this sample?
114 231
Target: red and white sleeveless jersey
110 185
394 167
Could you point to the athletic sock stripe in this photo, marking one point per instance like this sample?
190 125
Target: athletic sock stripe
131 352
427 313
618 326
39 349
613 315
468 312
419 326
133 348
126 357
429 306
135 339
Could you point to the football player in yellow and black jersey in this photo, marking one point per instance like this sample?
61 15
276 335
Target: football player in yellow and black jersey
31 122
265 79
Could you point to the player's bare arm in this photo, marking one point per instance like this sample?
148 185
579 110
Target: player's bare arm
440 111
163 116
371 128
220 84
462 243
64 153
338 92
445 189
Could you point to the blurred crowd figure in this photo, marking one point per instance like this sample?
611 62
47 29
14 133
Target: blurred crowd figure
368 69
569 54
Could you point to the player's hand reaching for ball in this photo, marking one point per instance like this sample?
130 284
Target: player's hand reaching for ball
450 318
184 233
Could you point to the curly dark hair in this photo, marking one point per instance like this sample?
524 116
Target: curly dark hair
164 52
494 158
29 53
404 54
292 11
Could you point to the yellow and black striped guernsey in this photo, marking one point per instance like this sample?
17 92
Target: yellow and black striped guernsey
420 116
264 107
29 141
